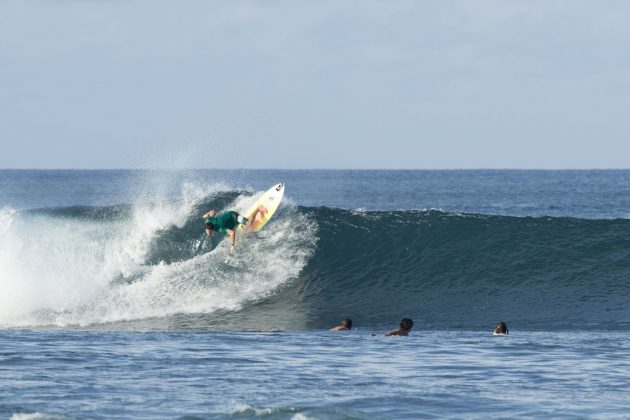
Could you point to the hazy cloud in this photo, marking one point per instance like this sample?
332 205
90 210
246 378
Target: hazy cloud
360 84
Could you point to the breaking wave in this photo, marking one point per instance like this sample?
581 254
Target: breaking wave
148 266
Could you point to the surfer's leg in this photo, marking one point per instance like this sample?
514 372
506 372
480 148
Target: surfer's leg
261 213
258 216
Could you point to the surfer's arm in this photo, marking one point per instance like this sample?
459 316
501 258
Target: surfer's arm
211 213
232 236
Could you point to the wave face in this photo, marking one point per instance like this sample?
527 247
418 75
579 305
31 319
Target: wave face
469 271
145 266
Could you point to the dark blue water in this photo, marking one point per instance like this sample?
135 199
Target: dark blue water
112 306
596 194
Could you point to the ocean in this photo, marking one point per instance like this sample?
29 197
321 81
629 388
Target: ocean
113 304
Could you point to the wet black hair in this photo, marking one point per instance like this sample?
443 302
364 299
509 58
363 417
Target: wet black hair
406 324
347 322
501 328
210 226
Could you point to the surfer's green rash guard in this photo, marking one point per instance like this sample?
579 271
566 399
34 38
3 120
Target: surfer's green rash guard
223 221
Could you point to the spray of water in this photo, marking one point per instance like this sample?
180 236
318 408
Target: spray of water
81 271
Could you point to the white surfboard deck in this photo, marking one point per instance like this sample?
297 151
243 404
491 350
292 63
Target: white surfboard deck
270 200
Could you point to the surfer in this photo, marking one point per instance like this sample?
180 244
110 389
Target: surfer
226 222
405 326
501 329
346 324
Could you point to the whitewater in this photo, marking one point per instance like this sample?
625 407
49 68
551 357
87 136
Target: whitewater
81 265
105 273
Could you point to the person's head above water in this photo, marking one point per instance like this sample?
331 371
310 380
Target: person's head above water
406 324
501 329
346 324
209 228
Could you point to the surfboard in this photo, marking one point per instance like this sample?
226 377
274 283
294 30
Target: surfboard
270 200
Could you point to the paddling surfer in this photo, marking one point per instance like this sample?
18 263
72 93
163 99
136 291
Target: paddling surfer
346 324
405 327
501 329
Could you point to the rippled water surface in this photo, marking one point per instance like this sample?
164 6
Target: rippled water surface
113 304
78 374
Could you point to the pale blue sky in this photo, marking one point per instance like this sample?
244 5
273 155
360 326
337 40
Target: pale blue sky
314 84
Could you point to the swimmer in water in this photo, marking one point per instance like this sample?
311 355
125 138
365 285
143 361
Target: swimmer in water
501 329
405 327
346 324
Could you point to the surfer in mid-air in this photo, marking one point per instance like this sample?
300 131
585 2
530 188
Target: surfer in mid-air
225 223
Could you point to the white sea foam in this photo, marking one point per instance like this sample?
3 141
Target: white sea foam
68 271
36 416
7 216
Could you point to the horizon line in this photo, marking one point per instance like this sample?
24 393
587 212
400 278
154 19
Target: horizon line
314 169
